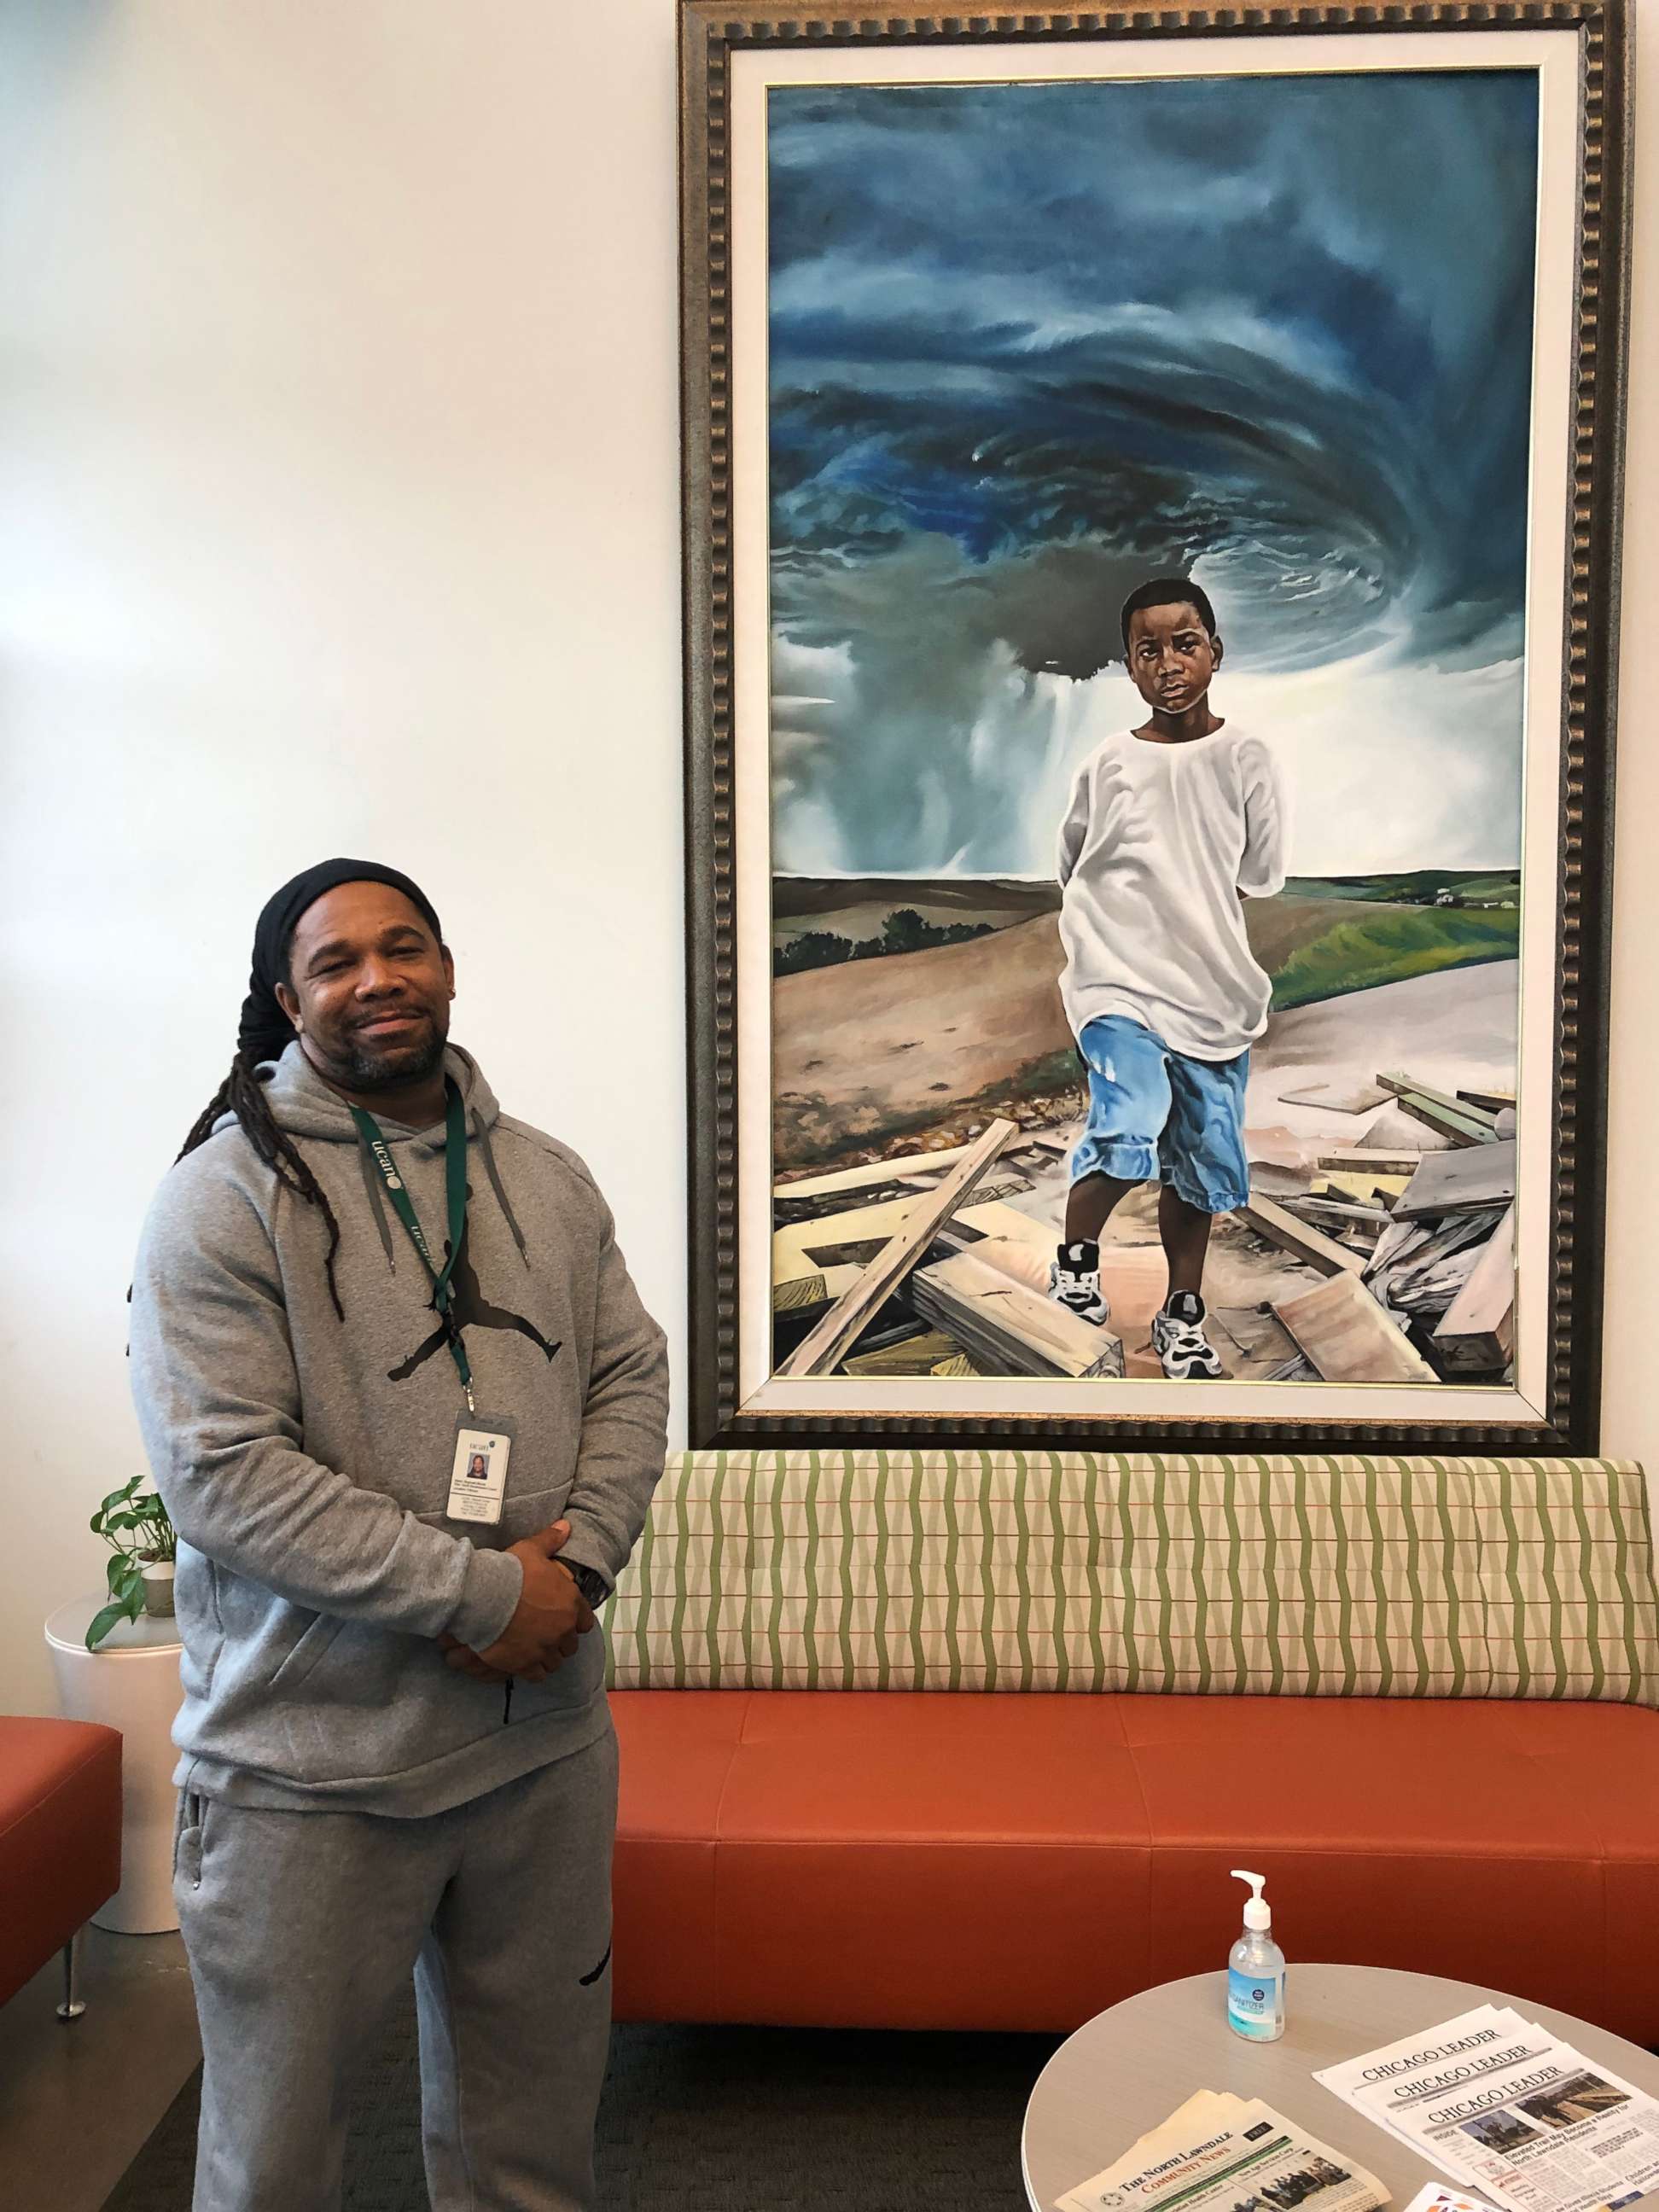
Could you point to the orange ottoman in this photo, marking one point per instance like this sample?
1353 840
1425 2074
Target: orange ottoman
60 1838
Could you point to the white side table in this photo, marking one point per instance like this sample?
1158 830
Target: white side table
131 1682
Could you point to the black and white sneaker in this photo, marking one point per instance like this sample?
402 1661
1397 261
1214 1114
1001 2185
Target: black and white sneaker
1178 1339
1074 1282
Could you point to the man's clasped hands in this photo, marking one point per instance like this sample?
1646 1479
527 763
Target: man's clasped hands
550 1617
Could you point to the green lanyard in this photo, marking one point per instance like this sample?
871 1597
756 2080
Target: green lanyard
443 1286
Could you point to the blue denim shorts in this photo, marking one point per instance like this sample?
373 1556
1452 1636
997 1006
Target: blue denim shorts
1154 1112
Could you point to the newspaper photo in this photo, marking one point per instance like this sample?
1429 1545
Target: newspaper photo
1220 2153
1431 2198
1497 2101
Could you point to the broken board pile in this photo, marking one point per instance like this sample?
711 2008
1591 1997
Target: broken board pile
1418 1248
917 1266
920 1266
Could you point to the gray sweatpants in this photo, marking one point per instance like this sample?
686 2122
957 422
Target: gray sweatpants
301 1928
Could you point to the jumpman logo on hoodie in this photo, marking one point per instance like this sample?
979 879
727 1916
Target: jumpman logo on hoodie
471 1309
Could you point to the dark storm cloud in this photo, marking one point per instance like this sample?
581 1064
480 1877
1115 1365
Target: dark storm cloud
1029 345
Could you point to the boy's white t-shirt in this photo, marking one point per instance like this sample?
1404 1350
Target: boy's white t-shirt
1157 844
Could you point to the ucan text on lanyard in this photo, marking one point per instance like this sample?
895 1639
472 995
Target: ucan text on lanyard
443 1284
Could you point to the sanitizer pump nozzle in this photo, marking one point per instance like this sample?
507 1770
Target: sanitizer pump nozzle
1256 1970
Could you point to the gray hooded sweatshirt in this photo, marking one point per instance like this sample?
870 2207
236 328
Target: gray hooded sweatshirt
306 1460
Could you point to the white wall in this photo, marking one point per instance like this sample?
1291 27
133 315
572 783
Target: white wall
339 513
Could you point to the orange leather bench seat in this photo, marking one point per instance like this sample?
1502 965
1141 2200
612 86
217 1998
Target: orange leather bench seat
60 1836
968 1860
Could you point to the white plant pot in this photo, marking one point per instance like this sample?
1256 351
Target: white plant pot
158 1587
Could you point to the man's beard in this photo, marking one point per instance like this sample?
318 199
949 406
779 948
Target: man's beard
368 1070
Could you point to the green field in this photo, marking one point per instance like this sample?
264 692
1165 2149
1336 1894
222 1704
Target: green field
1388 945
1480 887
1321 936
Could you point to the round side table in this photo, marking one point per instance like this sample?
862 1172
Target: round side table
131 1682
1130 2067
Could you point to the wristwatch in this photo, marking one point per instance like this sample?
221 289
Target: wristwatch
589 1581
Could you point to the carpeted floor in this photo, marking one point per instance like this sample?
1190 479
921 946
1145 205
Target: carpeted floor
718 2119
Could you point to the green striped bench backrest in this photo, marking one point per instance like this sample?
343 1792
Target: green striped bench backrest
1065 1571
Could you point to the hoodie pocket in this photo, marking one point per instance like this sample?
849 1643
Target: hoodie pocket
314 1643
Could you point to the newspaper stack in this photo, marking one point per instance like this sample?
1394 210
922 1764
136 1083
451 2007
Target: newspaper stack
1501 2104
1224 2153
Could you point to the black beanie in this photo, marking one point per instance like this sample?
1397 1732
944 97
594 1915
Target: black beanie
266 1031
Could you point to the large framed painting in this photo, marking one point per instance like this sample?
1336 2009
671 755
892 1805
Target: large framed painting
1153 504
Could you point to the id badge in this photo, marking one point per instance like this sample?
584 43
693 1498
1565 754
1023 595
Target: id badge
477 1479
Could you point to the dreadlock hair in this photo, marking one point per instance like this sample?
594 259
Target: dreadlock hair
264 1031
244 1095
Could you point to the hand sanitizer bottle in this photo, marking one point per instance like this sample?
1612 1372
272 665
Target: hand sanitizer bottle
1256 1971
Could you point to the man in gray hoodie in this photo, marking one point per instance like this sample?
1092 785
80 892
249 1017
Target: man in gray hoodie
359 1280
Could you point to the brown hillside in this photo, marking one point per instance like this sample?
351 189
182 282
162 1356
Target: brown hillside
892 1043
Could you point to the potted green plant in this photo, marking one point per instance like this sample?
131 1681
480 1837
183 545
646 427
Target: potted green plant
143 1549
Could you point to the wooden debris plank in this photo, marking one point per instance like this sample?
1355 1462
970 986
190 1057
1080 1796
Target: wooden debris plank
794 1212
992 1219
1404 1085
920 1353
1358 1158
1005 1184
817 1294
1263 1338
958 1365
1485 1307
1020 1261
1451 1234
1298 1237
1345 1335
1278 1182
807 1245
861 1251
1354 1098
1491 1102
1432 1115
830 1340
1398 1281
1361 1185
1007 1329
898 1330
1484 1356
1398 1243
997 1189
1465 1124
841 1180
1425 1292
789 1209
1343 1211
1475 1174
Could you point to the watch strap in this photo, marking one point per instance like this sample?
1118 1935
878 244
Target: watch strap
590 1582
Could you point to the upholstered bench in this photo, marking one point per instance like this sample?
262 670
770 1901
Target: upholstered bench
973 1739
60 1841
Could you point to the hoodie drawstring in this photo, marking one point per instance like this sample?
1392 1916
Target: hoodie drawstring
484 1146
376 1204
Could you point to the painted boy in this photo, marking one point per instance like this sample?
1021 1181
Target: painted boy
1170 827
